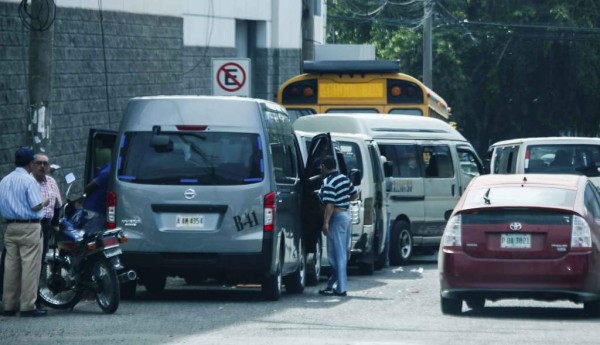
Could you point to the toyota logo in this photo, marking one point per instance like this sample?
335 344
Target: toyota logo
189 194
515 226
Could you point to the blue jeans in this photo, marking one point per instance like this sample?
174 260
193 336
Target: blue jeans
337 250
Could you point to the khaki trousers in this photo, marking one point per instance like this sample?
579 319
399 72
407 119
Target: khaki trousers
23 265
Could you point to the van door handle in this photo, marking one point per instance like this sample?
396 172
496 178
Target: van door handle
452 190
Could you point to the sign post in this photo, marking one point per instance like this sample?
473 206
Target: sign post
231 77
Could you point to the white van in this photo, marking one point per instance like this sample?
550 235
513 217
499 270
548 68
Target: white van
432 164
360 152
547 155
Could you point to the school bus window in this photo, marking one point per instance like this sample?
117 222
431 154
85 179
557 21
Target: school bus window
353 110
417 112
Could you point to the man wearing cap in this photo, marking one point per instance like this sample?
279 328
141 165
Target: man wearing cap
21 206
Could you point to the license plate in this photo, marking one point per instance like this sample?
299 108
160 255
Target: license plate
515 241
109 253
189 221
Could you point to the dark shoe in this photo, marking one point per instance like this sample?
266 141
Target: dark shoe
326 291
341 294
33 313
9 313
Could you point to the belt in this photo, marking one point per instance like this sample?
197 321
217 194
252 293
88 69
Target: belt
9 221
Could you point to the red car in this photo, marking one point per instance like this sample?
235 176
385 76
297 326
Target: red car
522 237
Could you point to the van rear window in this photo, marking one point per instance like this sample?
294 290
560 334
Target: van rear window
564 159
191 158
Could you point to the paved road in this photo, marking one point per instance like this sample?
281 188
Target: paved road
398 305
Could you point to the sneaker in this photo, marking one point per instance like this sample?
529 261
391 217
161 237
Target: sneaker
341 294
326 291
34 313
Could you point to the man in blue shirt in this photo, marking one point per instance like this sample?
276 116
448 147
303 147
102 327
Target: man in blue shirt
336 193
21 207
95 201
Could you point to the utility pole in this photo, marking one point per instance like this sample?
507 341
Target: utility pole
427 44
41 16
308 30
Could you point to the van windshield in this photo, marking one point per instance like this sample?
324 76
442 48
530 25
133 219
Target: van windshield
191 158
564 159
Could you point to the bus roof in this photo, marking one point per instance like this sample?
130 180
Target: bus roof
380 127
351 66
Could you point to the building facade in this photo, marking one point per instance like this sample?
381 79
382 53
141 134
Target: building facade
106 52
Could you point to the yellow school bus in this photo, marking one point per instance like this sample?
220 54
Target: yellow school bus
359 86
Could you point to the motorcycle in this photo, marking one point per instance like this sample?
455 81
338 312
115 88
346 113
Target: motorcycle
78 261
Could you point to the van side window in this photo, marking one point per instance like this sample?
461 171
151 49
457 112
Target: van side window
469 164
352 156
505 161
404 159
283 148
438 161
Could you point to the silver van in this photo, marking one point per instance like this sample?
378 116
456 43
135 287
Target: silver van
431 165
211 188
547 155
360 153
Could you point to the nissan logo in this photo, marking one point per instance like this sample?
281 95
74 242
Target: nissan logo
515 226
190 194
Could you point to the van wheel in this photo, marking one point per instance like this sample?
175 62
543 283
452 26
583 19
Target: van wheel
313 271
155 284
296 282
451 306
271 286
401 243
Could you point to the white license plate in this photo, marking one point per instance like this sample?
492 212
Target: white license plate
515 241
109 253
189 221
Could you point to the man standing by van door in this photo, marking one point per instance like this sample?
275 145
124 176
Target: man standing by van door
336 193
21 205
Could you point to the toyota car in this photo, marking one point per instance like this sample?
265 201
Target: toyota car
522 237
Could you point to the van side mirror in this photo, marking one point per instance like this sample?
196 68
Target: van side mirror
447 214
161 143
355 177
388 169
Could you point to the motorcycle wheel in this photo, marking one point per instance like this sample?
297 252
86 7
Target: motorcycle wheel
106 282
55 289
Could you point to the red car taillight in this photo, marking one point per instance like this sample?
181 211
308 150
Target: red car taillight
453 232
269 212
581 235
111 207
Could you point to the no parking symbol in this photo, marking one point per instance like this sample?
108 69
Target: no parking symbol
231 77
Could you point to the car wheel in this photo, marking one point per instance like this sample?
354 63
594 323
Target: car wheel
401 248
592 308
313 272
296 282
451 306
271 286
475 303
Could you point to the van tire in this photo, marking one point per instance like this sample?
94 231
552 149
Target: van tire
401 243
313 269
155 283
271 286
295 282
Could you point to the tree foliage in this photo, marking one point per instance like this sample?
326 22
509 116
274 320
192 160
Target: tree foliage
508 68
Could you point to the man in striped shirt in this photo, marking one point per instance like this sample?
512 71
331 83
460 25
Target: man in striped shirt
336 193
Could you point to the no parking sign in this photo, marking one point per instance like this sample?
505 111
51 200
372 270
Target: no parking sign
231 77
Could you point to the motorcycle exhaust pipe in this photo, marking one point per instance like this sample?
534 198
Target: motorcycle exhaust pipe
128 276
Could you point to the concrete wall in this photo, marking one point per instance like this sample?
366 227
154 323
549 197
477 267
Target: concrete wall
143 54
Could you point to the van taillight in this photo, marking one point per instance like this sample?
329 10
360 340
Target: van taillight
111 206
269 211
